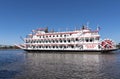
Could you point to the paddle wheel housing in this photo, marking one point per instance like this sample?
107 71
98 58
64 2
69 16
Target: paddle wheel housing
108 44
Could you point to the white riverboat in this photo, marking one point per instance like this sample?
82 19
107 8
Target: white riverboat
80 40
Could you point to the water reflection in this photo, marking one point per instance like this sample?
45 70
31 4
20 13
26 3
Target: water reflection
16 64
70 66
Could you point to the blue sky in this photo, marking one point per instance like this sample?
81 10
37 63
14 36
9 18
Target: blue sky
19 17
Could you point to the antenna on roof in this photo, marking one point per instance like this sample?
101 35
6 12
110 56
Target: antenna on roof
98 27
88 24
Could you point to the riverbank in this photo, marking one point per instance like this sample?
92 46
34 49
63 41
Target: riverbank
8 47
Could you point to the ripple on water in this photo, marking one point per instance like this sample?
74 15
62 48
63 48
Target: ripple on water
24 65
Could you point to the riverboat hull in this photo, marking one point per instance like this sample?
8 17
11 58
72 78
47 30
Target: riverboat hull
104 51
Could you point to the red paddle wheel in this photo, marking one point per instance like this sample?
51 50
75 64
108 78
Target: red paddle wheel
107 44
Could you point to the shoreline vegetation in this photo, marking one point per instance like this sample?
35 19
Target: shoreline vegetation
118 46
15 47
8 47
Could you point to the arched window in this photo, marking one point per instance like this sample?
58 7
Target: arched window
69 40
61 41
46 41
39 46
65 41
53 41
64 35
87 40
64 46
60 35
60 46
91 39
56 41
76 39
72 46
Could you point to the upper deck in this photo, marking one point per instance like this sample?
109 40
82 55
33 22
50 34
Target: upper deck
82 33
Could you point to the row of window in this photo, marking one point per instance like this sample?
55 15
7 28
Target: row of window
52 41
44 36
51 46
63 41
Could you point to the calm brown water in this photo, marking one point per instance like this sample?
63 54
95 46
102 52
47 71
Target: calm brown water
18 64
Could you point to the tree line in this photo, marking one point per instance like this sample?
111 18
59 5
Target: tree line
8 47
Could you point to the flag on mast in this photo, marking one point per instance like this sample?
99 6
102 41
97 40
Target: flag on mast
98 28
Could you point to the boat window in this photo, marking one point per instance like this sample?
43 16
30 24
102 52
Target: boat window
39 46
60 35
72 46
33 46
87 40
72 39
56 41
91 39
64 35
60 40
36 41
76 39
97 38
26 41
64 46
36 46
60 46
68 40
64 40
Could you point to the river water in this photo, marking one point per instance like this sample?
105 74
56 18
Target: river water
18 64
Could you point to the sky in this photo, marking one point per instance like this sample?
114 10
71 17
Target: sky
19 17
